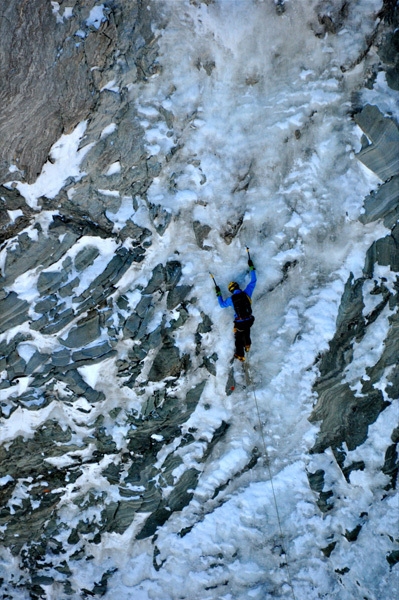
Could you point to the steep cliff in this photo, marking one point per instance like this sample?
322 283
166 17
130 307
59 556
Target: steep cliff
144 144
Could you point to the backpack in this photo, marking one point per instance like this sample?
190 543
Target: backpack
242 305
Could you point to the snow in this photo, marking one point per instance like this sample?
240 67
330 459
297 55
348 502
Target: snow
306 192
96 16
90 373
14 214
111 86
108 130
65 160
113 169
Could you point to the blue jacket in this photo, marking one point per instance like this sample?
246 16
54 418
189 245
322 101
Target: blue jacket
249 290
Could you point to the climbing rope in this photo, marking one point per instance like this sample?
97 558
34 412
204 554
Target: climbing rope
250 386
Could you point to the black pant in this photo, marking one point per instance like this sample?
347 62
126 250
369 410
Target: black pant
242 334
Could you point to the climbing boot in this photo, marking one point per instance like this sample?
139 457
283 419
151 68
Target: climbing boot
241 358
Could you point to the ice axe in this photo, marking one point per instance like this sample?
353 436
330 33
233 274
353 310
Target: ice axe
250 263
217 288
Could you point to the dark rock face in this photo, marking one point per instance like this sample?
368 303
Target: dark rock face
13 312
47 88
383 204
389 46
381 155
345 415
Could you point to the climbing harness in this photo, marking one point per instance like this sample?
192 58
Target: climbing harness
250 386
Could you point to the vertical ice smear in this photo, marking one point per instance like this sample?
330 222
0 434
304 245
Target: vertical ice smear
263 111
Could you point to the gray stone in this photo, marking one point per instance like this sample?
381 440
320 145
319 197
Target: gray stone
84 333
182 492
358 465
142 332
231 382
13 200
10 199
118 516
392 388
94 353
103 284
60 320
78 385
381 156
388 51
13 311
136 324
232 228
49 281
167 362
153 339
143 306
135 233
156 281
391 464
177 296
160 217
383 204
15 365
201 232
180 496
131 326
206 324
86 257
349 326
61 358
180 321
316 480
36 361
172 273
66 290
344 417
388 358
384 252
44 306
193 396
209 363
28 253
122 303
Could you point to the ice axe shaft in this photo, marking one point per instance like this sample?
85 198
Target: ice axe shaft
213 279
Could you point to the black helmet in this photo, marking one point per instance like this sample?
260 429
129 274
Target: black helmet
233 285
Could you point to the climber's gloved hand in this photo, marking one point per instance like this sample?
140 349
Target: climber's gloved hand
251 265
217 290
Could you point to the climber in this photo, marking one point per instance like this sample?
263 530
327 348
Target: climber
240 300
